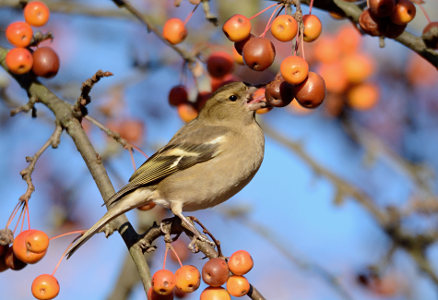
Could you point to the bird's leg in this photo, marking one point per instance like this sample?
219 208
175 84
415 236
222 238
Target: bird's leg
185 222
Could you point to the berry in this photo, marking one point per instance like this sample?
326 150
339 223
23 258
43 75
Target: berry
36 13
240 262
163 282
28 240
237 286
381 8
327 49
45 62
174 31
187 112
334 76
19 34
45 287
284 28
238 58
152 295
278 92
188 279
178 95
239 45
369 24
220 64
258 53
363 96
294 69
312 28
430 35
215 272
357 67
19 60
215 293
311 92
12 261
237 28
403 13
348 39
36 241
147 207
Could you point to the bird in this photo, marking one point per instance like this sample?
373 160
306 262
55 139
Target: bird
206 162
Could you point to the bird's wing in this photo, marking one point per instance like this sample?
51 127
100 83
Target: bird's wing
183 151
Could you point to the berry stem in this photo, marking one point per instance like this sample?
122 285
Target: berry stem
165 257
268 25
28 214
139 150
66 233
23 219
310 7
176 254
263 10
18 220
132 158
426 15
190 14
13 214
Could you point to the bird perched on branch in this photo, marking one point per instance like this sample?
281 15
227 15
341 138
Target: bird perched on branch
207 161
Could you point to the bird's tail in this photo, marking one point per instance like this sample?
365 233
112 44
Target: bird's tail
115 211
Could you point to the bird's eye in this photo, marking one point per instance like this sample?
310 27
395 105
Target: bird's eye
233 97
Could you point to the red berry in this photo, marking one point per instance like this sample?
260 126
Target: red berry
45 62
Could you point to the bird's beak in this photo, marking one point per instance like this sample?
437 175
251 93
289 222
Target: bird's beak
255 102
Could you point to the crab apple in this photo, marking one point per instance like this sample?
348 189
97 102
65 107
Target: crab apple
201 99
312 28
430 35
152 295
12 261
178 95
215 272
174 31
258 53
19 60
403 13
240 262
239 45
369 24
381 8
220 64
181 251
19 34
45 62
357 67
36 13
311 92
188 278
363 96
294 69
215 293
284 28
327 49
237 286
163 282
391 29
348 39
278 92
3 249
187 112
28 239
147 207
237 28
45 287
238 58
334 76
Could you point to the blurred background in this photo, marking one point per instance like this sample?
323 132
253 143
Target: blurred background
309 218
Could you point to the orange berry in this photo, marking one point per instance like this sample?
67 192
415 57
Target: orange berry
294 69
36 13
11 260
312 28
363 96
19 34
284 28
188 278
147 207
264 110
25 241
19 60
403 13
334 77
220 64
298 109
215 293
240 262
238 58
237 28
187 112
45 287
163 282
357 67
178 95
237 286
152 295
327 49
348 39
174 31
215 272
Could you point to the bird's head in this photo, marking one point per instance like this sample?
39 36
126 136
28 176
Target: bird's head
232 101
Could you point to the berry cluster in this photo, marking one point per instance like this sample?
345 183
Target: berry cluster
294 81
43 61
29 247
215 273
